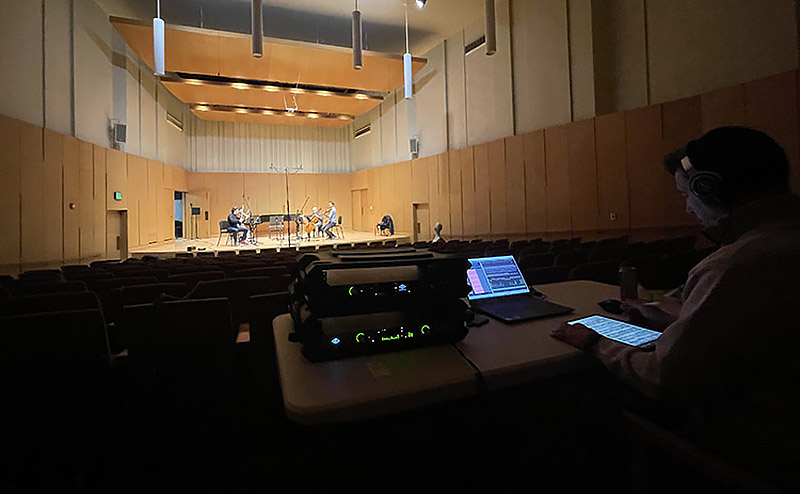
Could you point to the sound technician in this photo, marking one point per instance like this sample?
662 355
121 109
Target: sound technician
731 354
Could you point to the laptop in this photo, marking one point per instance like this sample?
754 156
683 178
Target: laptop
500 290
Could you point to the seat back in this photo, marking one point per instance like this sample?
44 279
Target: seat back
145 294
224 225
51 302
33 287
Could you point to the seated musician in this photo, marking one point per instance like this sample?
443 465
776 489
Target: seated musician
386 225
316 219
235 224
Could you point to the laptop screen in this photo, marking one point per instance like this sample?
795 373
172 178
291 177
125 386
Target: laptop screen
495 277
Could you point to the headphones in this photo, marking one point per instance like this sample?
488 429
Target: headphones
703 184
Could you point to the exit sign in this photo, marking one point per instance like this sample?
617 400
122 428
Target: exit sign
117 196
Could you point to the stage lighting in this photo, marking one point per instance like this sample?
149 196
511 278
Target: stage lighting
257 29
357 54
158 42
421 3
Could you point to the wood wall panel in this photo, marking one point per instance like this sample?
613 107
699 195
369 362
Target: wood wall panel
71 195
256 191
723 107
435 194
482 201
116 179
612 172
515 184
771 106
10 190
557 191
137 190
467 192
443 198
582 175
498 220
645 170
32 180
419 181
339 191
50 224
681 122
402 177
101 198
454 191
86 202
535 181
150 218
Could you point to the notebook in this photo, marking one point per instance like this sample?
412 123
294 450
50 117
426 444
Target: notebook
500 290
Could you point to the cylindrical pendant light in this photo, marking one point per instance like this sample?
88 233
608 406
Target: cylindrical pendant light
158 42
257 29
408 83
491 28
358 61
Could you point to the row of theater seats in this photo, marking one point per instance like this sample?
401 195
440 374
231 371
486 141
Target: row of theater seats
143 349
661 264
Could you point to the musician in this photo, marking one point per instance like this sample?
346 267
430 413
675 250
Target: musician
386 224
332 216
316 220
235 222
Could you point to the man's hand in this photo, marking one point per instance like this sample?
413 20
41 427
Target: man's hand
647 316
576 335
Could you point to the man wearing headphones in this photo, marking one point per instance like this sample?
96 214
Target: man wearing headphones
731 353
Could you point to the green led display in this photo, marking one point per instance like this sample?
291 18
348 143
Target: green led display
350 290
424 328
359 337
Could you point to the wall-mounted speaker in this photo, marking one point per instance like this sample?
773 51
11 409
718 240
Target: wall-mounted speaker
120 132
414 147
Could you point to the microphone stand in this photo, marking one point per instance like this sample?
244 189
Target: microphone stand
286 171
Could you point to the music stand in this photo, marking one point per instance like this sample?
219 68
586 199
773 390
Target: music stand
195 213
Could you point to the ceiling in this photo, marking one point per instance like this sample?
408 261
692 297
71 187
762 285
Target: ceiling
318 21
305 76
294 83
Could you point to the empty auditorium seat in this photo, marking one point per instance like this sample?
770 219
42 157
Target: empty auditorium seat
237 290
552 274
606 252
603 272
41 274
191 279
51 302
571 258
536 261
145 294
26 287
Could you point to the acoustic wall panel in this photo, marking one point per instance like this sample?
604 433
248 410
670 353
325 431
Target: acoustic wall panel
454 193
612 172
771 106
535 181
10 190
682 122
557 191
645 170
71 195
515 184
497 187
582 175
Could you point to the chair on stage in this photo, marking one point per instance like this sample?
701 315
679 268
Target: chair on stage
224 227
276 226
338 227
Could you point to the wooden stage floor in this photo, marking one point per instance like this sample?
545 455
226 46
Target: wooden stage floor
263 243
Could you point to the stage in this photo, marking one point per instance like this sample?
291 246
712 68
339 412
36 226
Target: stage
209 244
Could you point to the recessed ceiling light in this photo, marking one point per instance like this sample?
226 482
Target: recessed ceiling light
239 85
288 114
241 110
421 3
313 115
201 108
271 89
361 96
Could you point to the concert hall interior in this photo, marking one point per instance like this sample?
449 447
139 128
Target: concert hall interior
509 123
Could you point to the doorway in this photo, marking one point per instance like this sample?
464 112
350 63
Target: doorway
422 223
359 202
117 234
178 215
